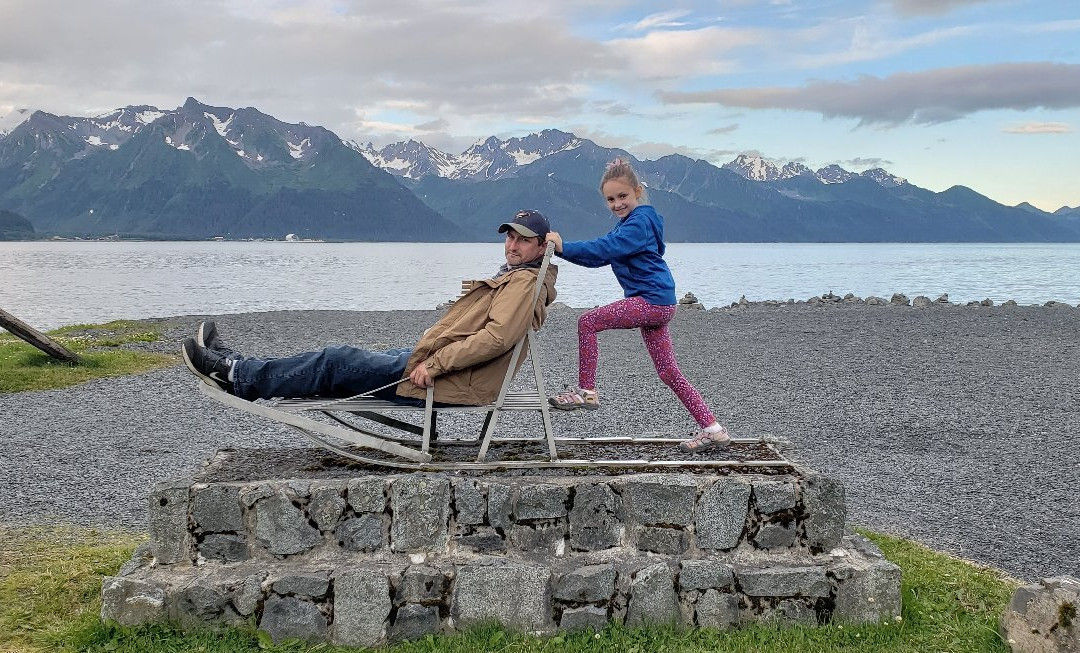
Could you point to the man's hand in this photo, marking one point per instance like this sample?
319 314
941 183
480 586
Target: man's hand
420 376
554 237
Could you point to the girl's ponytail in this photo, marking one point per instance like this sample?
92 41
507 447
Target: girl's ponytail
620 169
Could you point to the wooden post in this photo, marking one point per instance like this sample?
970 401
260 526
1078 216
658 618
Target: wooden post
36 338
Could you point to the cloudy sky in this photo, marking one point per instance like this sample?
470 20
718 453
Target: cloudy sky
982 93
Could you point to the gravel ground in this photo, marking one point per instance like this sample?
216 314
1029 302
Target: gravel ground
951 425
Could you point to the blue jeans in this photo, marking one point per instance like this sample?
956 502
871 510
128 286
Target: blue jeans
337 371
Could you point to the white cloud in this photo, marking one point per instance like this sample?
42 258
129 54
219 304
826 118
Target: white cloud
1040 128
665 19
870 41
683 53
313 60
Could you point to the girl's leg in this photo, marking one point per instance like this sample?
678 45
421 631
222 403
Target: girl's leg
624 314
658 342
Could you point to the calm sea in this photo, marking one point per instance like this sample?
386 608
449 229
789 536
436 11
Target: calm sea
51 284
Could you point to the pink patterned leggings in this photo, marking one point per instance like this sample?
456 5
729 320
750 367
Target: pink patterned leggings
653 320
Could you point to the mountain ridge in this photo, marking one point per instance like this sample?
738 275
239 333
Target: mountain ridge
201 171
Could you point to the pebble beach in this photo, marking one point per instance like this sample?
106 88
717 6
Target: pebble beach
951 425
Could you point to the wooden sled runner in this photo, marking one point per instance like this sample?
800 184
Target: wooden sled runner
335 424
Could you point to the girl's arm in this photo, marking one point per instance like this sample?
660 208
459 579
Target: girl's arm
555 237
632 236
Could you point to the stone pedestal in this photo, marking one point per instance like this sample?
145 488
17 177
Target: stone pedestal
362 558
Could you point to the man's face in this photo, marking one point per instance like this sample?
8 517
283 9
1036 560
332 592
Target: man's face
520 249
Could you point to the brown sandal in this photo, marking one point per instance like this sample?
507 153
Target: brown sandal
574 398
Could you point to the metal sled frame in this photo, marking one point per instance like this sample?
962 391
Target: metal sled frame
346 438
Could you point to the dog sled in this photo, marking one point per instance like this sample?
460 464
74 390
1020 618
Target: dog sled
409 437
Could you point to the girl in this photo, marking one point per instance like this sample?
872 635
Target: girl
634 249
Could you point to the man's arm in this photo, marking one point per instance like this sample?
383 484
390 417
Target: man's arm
509 318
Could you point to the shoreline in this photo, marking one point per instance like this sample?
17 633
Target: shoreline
950 427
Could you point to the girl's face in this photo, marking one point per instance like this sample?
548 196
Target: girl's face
622 198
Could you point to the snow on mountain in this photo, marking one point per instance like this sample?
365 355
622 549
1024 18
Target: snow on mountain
754 168
884 177
793 169
411 159
260 140
490 158
833 174
757 168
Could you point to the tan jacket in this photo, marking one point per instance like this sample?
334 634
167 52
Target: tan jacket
468 351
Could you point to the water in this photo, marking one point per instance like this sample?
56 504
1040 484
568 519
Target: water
51 284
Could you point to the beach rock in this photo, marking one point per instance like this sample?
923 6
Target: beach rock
588 584
281 527
414 621
470 506
168 508
216 508
308 585
361 533
1043 617
717 610
421 511
899 299
361 607
920 301
131 602
943 299
367 494
594 519
705 575
652 596
875 301
779 580
517 596
224 547
540 501
587 618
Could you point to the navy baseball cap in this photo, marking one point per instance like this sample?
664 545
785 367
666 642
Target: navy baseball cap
528 223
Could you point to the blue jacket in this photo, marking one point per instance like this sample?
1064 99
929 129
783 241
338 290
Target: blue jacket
635 251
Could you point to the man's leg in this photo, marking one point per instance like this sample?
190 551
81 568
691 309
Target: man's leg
337 371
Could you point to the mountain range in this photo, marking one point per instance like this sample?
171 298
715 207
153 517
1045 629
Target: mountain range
200 172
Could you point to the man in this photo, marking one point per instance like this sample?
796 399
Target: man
464 355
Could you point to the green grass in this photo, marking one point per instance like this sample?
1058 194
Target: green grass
50 584
23 367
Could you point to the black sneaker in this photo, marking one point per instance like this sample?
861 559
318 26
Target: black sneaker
208 337
207 364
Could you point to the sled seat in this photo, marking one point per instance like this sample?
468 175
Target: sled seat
380 410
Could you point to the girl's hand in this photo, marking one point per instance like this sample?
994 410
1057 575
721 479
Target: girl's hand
554 237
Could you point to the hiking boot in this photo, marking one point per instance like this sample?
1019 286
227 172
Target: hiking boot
210 366
208 337
704 440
